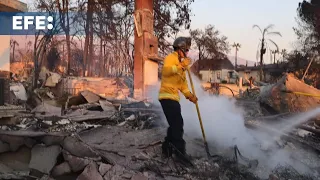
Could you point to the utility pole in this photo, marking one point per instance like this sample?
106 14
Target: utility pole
274 52
237 46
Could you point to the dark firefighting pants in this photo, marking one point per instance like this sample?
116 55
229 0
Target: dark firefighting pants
172 111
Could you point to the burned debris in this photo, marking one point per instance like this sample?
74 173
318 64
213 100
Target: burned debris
41 131
91 128
88 135
104 125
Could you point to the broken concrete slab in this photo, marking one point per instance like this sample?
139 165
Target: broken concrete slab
124 143
47 109
61 169
90 115
13 141
115 172
107 106
18 160
76 163
44 158
90 172
104 168
90 96
77 148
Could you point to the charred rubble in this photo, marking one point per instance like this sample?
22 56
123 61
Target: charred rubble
89 134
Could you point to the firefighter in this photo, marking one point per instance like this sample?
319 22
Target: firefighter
174 80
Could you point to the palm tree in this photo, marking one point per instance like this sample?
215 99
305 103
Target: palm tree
237 46
284 54
264 45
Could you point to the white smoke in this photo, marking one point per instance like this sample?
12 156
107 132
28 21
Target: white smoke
223 123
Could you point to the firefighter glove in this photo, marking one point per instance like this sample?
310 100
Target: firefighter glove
185 62
192 98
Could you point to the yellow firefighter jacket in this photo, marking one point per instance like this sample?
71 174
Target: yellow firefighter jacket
173 79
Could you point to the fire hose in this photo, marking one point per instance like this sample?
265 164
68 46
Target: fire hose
302 93
251 163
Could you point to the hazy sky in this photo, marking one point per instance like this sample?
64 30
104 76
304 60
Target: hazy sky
235 18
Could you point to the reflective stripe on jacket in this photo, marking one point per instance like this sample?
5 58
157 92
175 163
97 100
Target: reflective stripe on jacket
173 79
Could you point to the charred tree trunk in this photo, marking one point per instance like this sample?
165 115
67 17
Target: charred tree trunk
65 24
290 94
86 43
68 52
101 62
35 62
67 31
262 51
91 55
13 50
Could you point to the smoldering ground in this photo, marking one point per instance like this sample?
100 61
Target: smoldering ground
224 127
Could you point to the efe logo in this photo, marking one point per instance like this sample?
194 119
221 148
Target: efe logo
40 22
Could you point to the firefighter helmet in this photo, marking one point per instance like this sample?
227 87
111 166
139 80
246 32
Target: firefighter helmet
182 43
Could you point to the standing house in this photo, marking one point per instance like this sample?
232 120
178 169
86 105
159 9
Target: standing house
270 71
215 70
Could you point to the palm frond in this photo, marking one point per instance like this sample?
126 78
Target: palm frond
275 44
256 26
265 30
274 33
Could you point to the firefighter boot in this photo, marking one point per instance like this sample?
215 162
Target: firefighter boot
166 149
182 156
